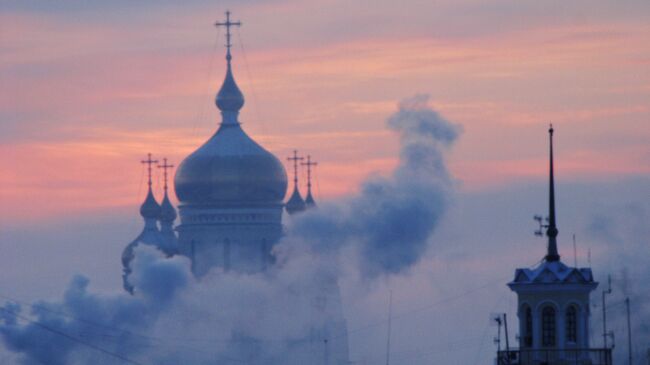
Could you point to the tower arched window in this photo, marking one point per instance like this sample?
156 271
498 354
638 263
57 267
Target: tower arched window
528 327
548 326
571 321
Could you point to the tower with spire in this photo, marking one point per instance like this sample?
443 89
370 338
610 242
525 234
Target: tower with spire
553 305
295 204
150 211
230 190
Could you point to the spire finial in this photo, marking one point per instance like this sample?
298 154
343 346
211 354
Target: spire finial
228 24
551 231
149 162
295 160
310 199
165 166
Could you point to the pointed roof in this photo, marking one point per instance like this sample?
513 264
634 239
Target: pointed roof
295 204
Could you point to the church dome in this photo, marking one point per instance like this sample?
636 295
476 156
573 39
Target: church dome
167 211
150 208
230 168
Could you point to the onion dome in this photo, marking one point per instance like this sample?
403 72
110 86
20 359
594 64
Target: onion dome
309 200
295 204
230 168
229 98
167 211
150 209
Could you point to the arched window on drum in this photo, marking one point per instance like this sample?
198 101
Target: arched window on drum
571 322
548 327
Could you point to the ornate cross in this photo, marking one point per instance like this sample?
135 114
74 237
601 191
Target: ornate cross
295 160
309 164
228 24
165 166
149 162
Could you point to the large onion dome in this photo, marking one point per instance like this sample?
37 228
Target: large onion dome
230 168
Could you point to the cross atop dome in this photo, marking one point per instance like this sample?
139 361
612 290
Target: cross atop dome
149 162
165 166
295 203
228 24
309 200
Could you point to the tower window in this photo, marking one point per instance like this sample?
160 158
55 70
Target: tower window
528 327
548 326
572 324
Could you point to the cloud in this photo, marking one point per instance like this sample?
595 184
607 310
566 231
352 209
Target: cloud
388 225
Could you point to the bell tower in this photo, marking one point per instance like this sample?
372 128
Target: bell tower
553 305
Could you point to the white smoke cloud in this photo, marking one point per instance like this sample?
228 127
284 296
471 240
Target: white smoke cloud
228 317
624 231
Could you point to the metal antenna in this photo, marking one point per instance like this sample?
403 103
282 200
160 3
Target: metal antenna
505 327
497 340
540 231
629 331
390 319
575 252
608 291
326 354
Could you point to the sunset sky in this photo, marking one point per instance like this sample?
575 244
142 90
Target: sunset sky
88 88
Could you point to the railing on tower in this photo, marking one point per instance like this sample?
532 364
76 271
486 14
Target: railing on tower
555 357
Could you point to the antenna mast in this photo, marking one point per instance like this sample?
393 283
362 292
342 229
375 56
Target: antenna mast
608 291
575 252
390 318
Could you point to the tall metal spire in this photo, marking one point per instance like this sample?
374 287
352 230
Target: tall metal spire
552 253
309 200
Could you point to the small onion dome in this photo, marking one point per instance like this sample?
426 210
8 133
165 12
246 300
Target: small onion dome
295 204
229 98
309 201
167 211
150 208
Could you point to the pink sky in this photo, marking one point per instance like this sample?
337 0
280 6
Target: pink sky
86 93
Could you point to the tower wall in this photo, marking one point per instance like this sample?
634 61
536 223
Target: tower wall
238 239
